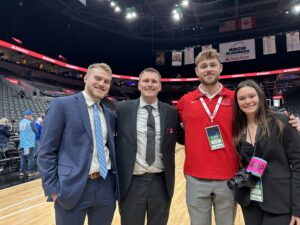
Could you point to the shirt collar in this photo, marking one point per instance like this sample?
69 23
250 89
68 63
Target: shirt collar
89 101
143 103
202 92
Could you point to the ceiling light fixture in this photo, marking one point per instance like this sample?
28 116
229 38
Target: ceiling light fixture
297 8
185 3
176 13
130 13
113 4
117 9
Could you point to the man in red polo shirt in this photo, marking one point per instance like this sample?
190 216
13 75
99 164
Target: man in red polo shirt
207 115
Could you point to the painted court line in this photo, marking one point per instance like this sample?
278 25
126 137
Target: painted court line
19 203
4 217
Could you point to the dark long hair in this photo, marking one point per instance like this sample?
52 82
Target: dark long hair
262 116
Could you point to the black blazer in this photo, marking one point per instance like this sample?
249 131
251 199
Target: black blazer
281 179
126 141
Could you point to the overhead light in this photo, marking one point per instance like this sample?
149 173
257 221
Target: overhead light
130 13
297 8
177 14
113 3
117 9
185 3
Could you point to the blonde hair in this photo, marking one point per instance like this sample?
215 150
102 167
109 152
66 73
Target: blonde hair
4 121
207 54
102 66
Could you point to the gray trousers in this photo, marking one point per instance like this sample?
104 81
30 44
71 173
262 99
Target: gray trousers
202 194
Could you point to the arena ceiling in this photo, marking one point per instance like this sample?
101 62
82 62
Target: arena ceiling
200 20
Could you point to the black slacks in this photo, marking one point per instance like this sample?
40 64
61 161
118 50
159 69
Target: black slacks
254 215
147 195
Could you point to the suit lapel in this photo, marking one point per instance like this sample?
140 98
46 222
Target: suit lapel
264 141
133 112
84 114
163 118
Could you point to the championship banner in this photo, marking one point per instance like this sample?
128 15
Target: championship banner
204 47
160 58
292 41
269 45
189 56
176 58
237 50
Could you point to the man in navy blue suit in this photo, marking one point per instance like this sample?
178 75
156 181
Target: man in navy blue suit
77 153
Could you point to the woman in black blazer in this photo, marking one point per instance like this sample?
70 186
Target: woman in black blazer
273 197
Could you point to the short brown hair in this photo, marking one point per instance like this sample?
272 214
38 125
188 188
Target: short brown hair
207 54
102 66
151 70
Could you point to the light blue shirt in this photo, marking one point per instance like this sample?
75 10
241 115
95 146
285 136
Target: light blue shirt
27 136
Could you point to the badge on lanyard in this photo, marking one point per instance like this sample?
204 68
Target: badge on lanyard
214 137
256 193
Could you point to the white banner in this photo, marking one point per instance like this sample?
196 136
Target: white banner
292 41
269 45
189 56
237 50
176 58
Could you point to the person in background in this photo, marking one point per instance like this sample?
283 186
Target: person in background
265 135
77 153
27 144
4 132
39 126
145 149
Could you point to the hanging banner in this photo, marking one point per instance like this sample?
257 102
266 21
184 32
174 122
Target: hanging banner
246 22
269 45
189 56
160 58
237 50
204 47
176 58
292 41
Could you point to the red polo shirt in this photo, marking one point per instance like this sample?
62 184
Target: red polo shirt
201 161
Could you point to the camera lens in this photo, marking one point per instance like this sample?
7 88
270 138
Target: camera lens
231 184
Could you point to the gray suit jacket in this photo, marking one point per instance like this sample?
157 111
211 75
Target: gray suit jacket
126 141
66 147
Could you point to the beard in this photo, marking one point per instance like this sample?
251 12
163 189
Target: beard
210 82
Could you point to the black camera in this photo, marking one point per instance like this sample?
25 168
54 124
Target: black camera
242 179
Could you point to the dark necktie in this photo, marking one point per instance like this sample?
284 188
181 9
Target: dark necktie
99 142
150 149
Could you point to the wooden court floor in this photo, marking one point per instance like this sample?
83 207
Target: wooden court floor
25 204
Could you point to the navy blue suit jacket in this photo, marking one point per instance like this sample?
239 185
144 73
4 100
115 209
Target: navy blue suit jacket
66 148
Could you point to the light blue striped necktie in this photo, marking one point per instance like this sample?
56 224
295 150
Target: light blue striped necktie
99 142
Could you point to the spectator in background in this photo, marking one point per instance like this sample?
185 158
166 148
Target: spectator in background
21 94
38 125
27 143
4 132
274 197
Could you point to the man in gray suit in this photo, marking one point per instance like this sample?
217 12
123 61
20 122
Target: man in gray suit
77 153
145 149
